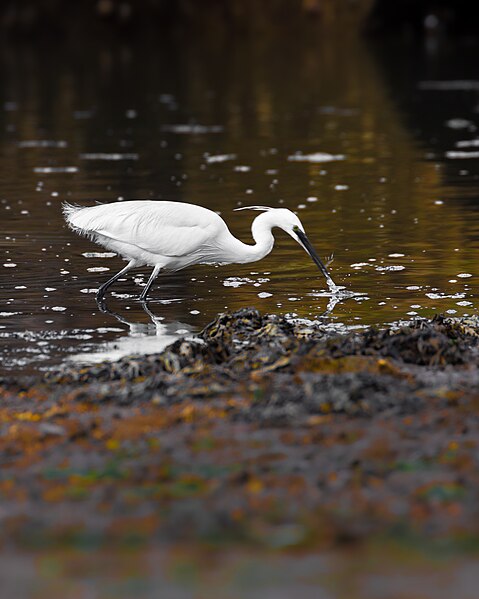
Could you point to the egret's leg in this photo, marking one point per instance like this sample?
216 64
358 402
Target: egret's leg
146 288
100 294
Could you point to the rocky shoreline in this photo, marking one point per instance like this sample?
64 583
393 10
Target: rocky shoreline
265 431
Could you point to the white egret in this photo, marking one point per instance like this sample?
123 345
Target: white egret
170 236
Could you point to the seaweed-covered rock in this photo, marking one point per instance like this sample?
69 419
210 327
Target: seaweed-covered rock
437 342
289 370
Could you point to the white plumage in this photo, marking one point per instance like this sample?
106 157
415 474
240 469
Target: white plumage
173 235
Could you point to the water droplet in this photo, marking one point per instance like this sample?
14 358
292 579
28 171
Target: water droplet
316 157
55 169
98 254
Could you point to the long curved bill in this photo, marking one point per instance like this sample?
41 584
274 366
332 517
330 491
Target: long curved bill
312 252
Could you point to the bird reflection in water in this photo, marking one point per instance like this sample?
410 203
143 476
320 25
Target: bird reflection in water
142 338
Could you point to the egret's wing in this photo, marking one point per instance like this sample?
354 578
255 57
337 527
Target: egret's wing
165 228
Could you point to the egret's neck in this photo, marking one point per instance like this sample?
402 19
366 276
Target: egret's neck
261 231
264 241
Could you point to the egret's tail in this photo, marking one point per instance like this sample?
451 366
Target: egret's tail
77 218
69 212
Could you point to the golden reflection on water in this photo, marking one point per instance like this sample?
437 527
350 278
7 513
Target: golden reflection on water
270 100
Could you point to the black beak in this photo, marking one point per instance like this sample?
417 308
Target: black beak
312 252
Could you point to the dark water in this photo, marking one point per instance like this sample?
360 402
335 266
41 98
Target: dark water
373 146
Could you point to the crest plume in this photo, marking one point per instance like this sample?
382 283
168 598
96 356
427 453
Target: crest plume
261 208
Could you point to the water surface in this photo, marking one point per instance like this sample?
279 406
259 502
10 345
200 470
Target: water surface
374 147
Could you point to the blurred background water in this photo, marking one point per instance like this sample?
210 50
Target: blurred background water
374 144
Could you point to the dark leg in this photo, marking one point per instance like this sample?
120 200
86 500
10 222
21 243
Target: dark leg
153 276
101 291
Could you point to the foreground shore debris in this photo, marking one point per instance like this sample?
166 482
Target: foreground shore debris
261 430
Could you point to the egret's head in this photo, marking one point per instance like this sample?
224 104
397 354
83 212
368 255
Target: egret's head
278 217
290 223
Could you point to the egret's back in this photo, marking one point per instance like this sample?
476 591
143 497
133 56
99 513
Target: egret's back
150 231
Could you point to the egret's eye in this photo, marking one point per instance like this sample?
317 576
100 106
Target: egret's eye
296 229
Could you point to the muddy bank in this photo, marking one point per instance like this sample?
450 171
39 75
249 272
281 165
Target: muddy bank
281 434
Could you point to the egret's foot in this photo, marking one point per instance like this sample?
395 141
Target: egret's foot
101 302
103 307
